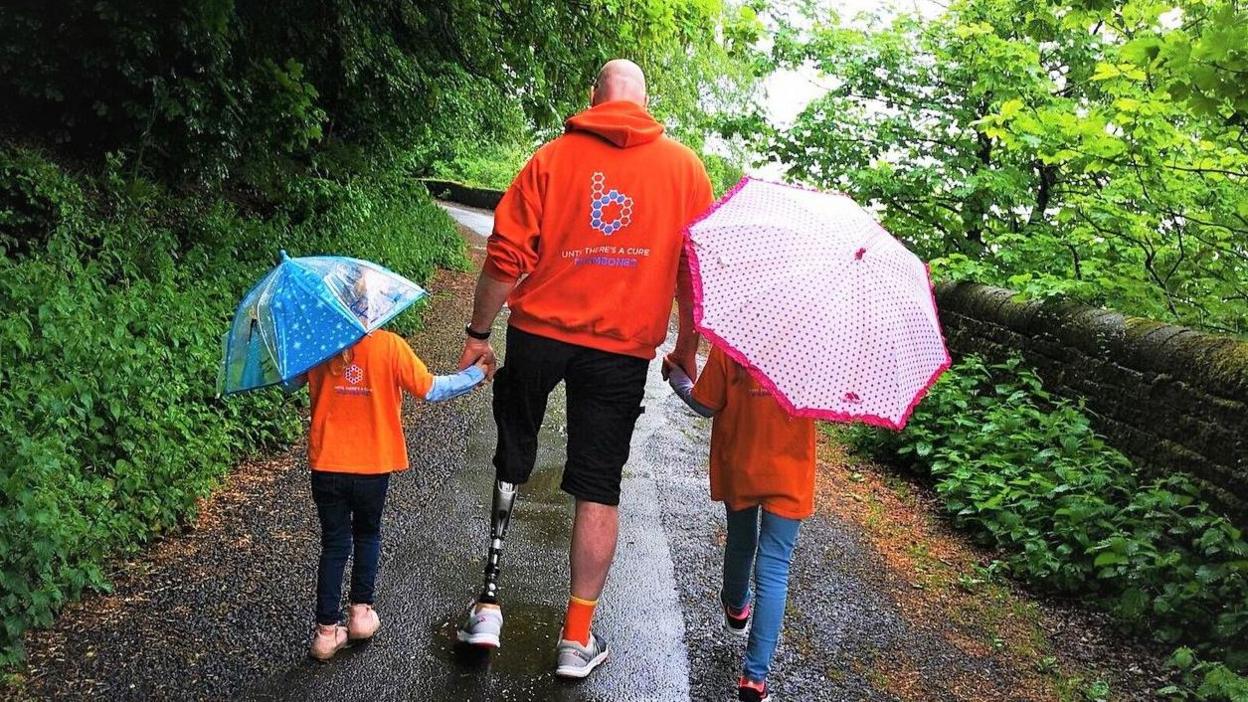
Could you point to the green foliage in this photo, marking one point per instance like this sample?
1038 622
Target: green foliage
1097 151
35 199
109 347
724 172
217 90
490 165
1204 680
1026 472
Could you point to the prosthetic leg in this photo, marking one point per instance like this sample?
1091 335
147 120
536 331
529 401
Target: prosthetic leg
500 518
484 622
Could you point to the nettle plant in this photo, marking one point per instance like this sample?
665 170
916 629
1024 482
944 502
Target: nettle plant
1025 472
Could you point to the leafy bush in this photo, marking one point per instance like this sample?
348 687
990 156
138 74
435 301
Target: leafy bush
491 165
1026 472
1204 680
109 347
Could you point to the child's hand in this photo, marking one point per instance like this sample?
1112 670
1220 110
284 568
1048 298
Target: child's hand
685 362
485 367
478 350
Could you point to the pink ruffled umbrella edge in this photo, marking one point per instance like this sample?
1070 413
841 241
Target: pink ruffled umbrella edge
695 273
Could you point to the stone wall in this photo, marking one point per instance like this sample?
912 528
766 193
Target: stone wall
482 198
1167 396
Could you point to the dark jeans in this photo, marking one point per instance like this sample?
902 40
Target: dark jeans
605 391
350 507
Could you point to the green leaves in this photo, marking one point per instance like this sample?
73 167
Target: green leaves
1026 472
209 93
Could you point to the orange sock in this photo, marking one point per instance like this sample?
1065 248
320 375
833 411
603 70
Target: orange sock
580 616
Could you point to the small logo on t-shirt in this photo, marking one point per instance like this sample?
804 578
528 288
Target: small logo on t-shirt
609 209
354 374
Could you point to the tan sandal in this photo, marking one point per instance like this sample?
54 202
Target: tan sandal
328 640
362 622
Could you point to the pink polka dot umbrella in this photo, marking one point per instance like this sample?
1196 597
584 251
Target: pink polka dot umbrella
824 307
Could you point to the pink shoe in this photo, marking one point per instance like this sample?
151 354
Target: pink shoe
328 640
362 622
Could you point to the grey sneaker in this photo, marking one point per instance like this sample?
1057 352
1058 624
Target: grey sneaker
482 625
577 661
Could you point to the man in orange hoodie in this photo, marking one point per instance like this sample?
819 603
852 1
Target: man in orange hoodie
587 252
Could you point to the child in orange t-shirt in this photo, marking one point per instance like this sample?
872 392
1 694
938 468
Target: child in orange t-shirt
355 442
763 470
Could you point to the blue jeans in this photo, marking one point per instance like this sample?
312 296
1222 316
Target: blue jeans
350 507
766 549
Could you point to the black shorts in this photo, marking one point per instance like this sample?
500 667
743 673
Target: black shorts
604 400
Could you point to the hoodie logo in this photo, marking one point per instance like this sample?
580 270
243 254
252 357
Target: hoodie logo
609 210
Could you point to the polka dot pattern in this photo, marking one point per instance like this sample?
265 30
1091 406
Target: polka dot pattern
830 312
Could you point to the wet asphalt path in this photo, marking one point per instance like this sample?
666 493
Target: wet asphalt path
478 221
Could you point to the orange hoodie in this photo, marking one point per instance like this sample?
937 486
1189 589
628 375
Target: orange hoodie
593 224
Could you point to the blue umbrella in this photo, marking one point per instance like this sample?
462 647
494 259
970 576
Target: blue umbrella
303 312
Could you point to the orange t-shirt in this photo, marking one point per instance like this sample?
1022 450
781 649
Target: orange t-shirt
760 454
357 399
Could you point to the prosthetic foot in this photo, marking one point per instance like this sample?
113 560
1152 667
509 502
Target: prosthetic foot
484 621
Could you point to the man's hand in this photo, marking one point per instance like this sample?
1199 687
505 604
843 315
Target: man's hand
479 353
487 302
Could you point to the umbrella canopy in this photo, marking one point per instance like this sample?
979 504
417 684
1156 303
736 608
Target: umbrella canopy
826 309
304 311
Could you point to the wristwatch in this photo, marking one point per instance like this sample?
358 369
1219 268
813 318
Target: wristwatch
479 336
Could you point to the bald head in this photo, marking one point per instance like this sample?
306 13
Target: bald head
620 79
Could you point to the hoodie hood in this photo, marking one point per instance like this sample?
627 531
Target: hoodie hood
620 122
